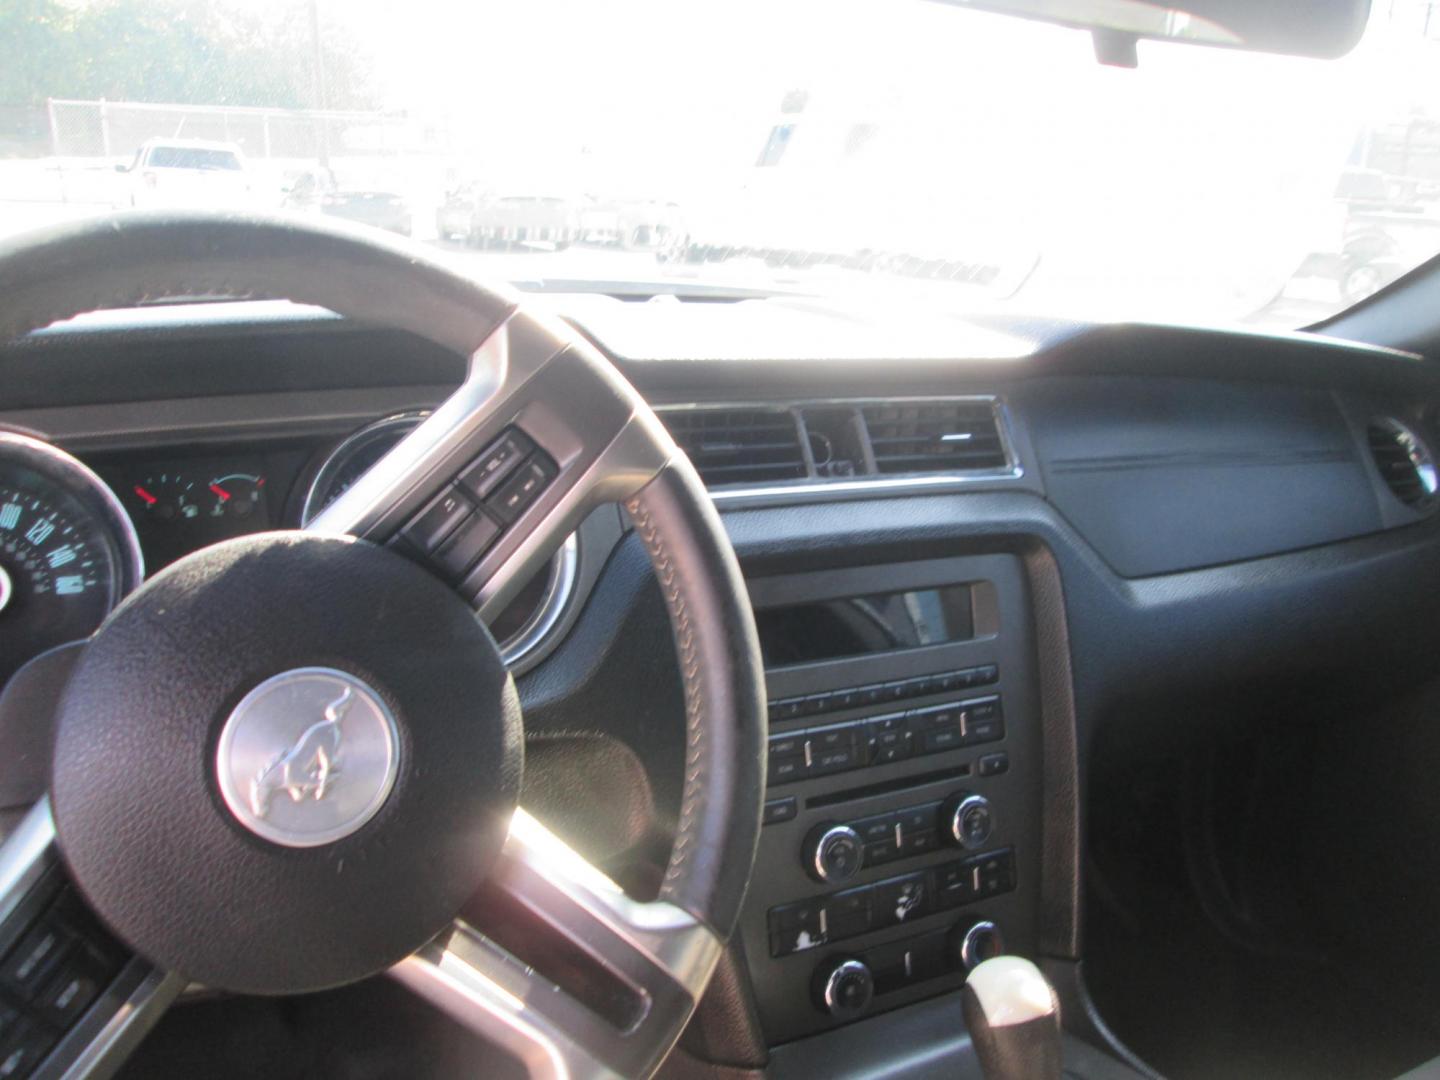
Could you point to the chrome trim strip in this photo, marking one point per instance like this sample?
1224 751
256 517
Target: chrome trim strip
685 948
131 566
663 952
26 854
113 1043
919 483
891 486
564 570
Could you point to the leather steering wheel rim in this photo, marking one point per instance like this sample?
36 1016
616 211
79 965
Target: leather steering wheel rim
135 258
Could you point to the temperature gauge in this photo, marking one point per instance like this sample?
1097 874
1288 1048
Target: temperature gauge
167 496
236 495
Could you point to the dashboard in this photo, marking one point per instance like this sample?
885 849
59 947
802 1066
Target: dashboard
1096 516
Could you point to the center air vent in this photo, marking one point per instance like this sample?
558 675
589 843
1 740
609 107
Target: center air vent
738 446
935 436
1404 462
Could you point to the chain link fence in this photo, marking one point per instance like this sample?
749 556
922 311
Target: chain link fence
112 129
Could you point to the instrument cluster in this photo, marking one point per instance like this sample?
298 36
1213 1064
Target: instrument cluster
183 504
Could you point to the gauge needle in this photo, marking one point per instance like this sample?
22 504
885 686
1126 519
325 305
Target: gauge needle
224 495
150 500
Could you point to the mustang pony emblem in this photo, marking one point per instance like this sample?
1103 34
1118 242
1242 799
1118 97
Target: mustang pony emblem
308 768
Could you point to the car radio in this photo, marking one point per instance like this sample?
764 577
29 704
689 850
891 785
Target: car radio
901 827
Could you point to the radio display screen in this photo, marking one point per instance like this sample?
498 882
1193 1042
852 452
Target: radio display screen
861 625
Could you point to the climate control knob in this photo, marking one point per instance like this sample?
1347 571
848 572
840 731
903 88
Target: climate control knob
972 943
969 820
833 853
844 988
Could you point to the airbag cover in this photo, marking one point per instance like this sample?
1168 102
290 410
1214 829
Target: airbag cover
141 821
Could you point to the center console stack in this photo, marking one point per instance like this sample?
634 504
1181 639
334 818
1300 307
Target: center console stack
901 840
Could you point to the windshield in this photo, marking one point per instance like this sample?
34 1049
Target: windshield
879 148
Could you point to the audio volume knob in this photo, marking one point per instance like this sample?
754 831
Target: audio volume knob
974 942
844 988
833 853
969 820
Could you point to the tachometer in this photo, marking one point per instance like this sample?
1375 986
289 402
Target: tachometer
68 553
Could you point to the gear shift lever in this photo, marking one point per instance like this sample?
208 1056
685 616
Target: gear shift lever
1013 1018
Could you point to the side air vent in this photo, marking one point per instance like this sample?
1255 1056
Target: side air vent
1404 462
935 436
739 446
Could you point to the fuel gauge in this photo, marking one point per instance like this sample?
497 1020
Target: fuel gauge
237 495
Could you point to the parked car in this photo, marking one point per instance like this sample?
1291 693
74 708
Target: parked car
369 203
642 224
188 172
496 219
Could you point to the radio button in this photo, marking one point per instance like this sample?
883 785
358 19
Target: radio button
778 811
935 717
875 829
787 745
874 694
993 764
814 704
785 770
825 762
937 742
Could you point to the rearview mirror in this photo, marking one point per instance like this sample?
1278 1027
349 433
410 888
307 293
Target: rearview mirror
1317 28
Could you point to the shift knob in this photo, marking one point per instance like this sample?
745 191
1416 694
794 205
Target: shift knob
1013 1018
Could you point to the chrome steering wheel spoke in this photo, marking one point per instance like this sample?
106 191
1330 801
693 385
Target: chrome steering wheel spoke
589 436
86 1001
554 963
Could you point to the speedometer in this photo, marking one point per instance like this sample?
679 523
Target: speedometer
67 551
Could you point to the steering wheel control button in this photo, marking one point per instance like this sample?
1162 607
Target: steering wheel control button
516 494
496 463
307 757
833 853
438 520
33 959
71 990
844 988
470 542
24 1048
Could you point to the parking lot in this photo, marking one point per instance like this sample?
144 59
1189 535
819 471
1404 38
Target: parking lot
38 192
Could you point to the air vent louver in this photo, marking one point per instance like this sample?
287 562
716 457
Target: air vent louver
1404 462
935 436
738 446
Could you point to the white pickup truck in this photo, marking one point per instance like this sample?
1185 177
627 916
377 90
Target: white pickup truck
188 172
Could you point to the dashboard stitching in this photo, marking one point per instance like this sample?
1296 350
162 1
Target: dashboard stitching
690 670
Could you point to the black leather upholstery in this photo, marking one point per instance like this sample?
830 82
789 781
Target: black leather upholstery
720 664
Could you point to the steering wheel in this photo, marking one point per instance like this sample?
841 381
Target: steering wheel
289 761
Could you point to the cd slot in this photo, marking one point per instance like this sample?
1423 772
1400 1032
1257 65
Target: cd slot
887 787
